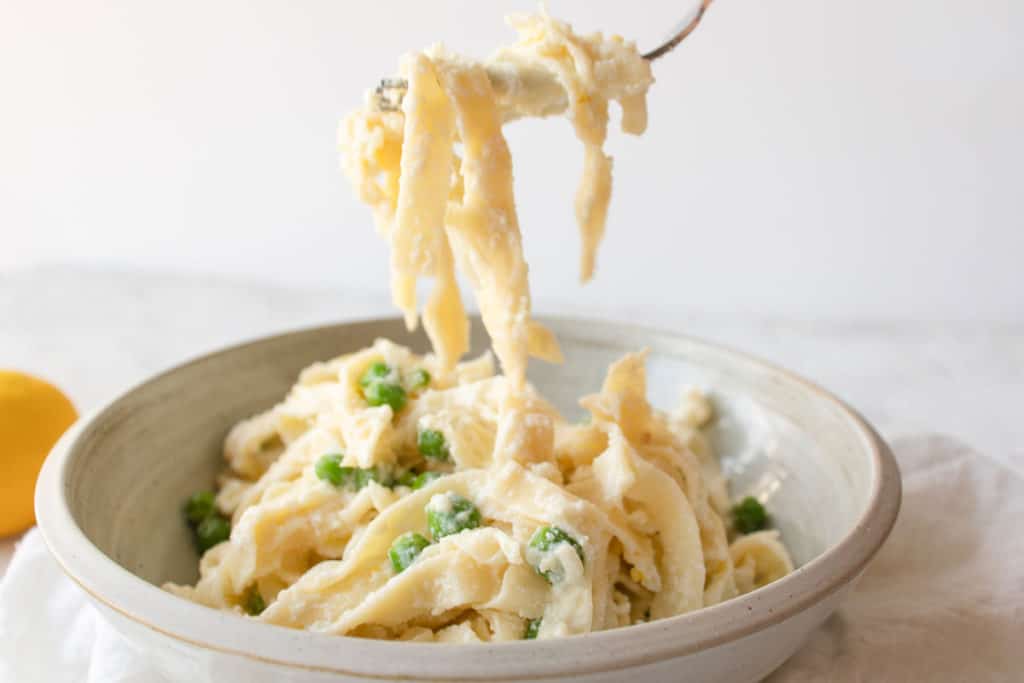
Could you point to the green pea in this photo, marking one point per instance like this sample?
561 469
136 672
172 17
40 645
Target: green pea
451 513
749 516
417 480
380 387
211 531
544 540
329 468
405 549
381 393
375 373
199 506
532 629
254 603
365 476
418 379
432 444
424 478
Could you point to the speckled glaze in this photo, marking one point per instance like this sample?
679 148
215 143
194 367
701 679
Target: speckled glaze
108 502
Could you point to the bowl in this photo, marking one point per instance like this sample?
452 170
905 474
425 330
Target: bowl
109 499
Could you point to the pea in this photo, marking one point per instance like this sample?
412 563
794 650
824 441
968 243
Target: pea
432 444
211 531
365 476
381 387
254 603
543 542
450 513
375 373
199 506
424 478
381 393
532 629
749 516
416 480
329 468
418 379
405 549
209 527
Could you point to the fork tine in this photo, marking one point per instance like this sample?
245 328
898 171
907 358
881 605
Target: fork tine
389 93
391 90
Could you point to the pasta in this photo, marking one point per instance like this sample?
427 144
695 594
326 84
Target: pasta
426 498
438 210
635 487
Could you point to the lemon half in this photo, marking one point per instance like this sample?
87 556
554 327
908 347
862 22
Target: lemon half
33 415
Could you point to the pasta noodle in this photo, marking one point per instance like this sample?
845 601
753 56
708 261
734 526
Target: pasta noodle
438 210
628 485
426 498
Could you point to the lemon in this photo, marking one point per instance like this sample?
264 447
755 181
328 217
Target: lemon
33 415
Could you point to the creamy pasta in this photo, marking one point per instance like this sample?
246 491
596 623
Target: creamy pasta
422 497
438 209
637 490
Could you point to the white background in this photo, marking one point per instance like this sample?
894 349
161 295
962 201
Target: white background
806 159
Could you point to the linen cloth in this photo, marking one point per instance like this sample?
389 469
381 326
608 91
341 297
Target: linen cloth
942 601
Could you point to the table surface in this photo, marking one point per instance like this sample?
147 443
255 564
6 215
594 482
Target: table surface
95 333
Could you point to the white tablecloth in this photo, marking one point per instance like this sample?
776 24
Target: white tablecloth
943 602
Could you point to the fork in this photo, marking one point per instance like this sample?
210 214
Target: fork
389 93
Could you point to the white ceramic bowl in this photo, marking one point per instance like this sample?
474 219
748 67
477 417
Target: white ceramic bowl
109 505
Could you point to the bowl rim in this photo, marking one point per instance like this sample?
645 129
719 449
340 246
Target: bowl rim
135 599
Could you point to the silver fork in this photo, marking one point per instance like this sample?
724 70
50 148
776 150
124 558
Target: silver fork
389 93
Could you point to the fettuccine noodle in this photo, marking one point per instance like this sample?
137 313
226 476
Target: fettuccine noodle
417 497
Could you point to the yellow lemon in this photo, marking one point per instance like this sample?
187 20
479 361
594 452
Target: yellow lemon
33 415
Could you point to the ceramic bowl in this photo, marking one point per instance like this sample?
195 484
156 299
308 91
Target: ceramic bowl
109 505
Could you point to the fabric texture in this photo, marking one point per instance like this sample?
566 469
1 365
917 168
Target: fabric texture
942 601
